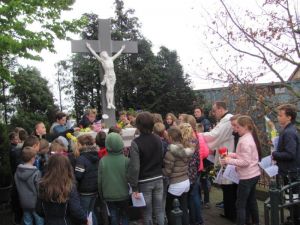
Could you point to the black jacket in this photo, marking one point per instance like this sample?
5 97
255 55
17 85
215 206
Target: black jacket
68 213
146 160
205 122
287 154
86 171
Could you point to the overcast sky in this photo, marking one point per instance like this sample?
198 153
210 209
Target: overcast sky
176 24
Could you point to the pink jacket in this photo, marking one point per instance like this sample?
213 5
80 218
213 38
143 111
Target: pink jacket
203 150
246 158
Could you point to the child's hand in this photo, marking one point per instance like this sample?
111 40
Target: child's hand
136 195
223 161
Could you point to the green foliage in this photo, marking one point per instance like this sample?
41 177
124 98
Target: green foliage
28 27
4 154
33 99
144 81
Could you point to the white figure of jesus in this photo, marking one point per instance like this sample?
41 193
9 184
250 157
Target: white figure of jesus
109 79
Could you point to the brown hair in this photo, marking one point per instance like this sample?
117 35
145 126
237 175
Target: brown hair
57 146
13 135
114 129
100 138
289 110
221 104
159 129
37 124
192 121
28 153
58 181
157 118
44 144
246 121
31 141
60 115
175 133
86 140
144 122
199 128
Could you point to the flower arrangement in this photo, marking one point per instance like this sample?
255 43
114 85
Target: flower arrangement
223 151
71 137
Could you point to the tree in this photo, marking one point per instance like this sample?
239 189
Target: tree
28 27
33 99
141 82
262 43
64 84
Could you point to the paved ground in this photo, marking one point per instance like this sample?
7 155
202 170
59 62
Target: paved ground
211 216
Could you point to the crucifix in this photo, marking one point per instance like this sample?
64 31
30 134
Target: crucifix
105 46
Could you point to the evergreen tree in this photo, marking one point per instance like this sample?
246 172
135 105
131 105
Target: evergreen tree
33 99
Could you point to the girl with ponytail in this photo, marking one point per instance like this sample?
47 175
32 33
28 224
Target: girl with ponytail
246 160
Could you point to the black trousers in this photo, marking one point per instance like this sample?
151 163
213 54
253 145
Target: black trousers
229 200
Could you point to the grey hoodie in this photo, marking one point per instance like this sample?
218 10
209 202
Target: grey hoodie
26 179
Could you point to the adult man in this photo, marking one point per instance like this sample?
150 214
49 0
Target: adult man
200 118
221 136
287 154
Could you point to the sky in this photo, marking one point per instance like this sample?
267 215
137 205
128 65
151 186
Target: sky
175 24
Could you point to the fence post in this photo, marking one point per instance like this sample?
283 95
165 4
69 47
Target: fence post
176 213
274 203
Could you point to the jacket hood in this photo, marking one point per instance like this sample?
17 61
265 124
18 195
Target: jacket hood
179 151
114 143
90 152
24 172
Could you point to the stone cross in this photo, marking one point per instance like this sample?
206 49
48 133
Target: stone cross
104 43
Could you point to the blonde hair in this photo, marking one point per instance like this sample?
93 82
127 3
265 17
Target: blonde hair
173 117
159 129
187 134
91 111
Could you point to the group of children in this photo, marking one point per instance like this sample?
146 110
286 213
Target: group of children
56 186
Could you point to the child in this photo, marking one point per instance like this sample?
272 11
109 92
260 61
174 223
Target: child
40 130
287 155
86 171
145 168
58 199
190 139
160 130
100 141
177 159
88 118
112 181
43 155
246 160
170 120
27 177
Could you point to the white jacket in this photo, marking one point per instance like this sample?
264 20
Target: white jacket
221 135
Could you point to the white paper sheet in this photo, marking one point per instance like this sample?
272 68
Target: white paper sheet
267 165
211 158
90 219
138 202
231 174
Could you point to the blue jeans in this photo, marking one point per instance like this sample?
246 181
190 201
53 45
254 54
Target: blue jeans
118 212
87 203
246 199
153 194
205 184
30 218
195 203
